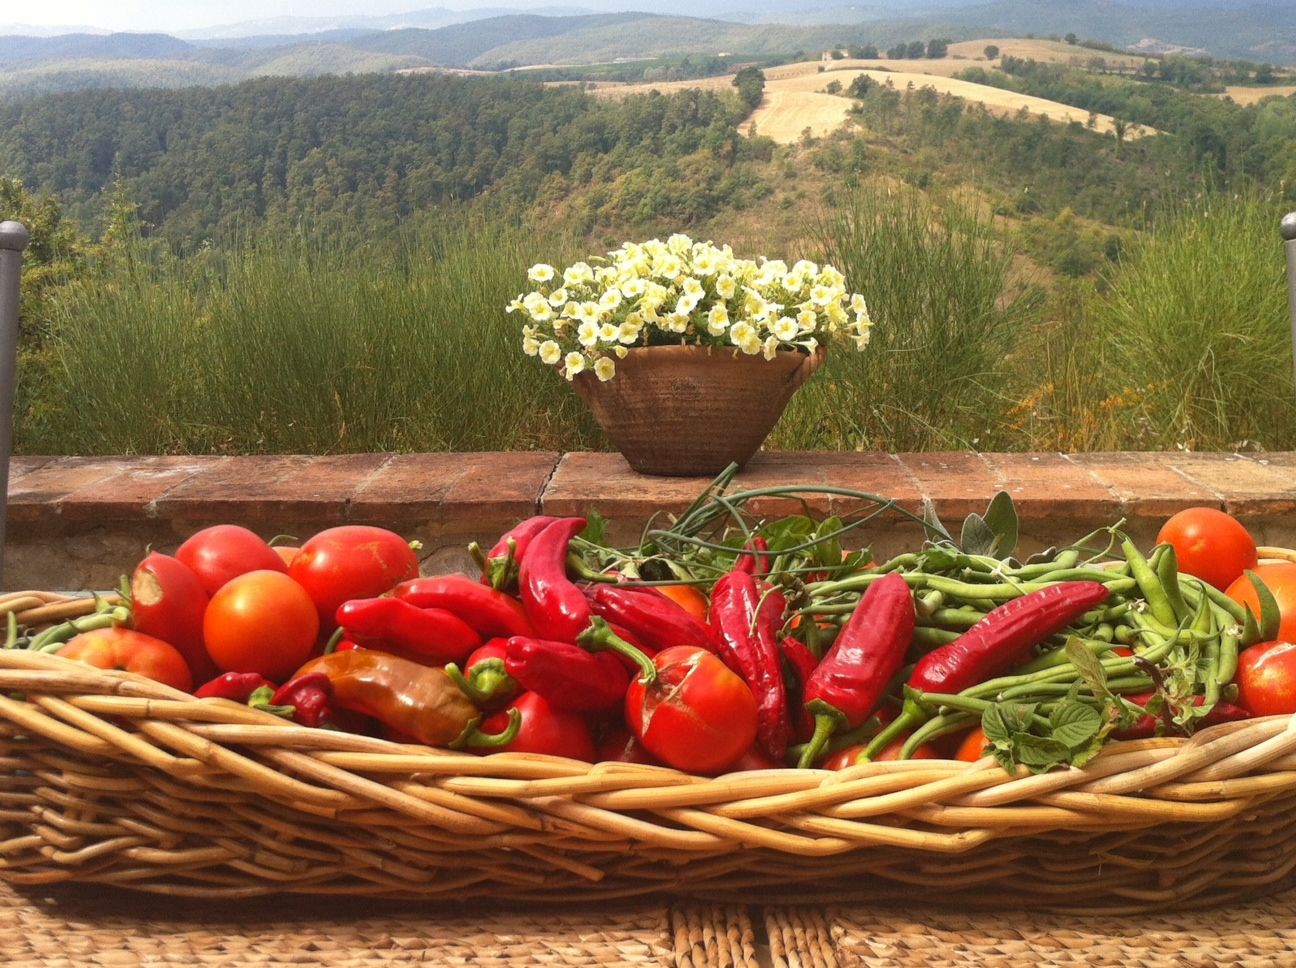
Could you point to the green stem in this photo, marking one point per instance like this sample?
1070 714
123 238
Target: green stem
599 637
474 739
825 724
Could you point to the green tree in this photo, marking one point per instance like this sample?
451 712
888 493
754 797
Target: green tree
1071 39
750 82
915 50
991 52
936 49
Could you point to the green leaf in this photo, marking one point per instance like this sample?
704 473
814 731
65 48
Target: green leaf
1250 628
977 537
1087 666
1270 617
1039 753
1001 516
992 723
1018 716
932 520
595 527
1075 725
939 558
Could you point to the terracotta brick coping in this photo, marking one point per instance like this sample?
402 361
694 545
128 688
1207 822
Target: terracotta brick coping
71 493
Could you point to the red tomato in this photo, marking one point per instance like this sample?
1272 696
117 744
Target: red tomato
696 716
850 755
1210 544
352 561
168 602
1266 679
1280 579
556 732
973 746
226 551
130 651
261 622
688 598
754 759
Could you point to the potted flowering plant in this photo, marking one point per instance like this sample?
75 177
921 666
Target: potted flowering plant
687 355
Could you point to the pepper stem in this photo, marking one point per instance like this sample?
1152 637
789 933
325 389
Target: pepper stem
260 699
824 726
599 637
486 682
474 739
334 639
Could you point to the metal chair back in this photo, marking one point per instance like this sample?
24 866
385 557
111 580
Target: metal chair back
1289 236
13 240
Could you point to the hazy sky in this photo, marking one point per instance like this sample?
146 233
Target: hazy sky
186 14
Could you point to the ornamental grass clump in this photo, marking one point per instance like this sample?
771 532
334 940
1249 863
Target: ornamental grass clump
684 293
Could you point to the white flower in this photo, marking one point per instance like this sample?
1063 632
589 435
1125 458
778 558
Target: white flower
574 364
540 272
693 288
629 331
608 332
676 323
785 329
550 352
858 305
679 244
558 298
529 346
770 347
588 312
542 312
576 274
621 352
744 332
726 287
610 300
717 320
793 283
686 305
587 333
605 369
807 320
668 267
823 295
705 262
633 288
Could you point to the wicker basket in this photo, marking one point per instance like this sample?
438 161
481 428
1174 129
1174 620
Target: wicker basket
114 779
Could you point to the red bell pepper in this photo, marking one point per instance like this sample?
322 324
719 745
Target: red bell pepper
543 728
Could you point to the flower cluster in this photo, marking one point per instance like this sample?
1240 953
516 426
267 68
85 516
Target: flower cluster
683 292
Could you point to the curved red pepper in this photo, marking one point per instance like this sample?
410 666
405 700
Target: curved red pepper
847 685
310 697
484 679
650 616
567 675
490 612
801 662
500 567
735 602
237 686
544 729
753 560
427 633
556 608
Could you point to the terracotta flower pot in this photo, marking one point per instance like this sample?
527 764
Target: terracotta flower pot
684 411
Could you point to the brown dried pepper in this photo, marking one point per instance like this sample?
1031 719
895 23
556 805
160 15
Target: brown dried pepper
419 701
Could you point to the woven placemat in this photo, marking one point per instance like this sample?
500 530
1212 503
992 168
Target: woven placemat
1253 934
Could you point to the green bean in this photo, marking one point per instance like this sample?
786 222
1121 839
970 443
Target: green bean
1149 585
1125 634
11 635
1065 559
926 605
935 638
1104 632
1044 690
952 618
1054 658
936 727
1217 597
1168 575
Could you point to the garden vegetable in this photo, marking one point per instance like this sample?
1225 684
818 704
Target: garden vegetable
566 675
847 685
745 621
225 551
168 602
130 651
694 714
429 634
999 641
351 561
1210 545
484 679
1145 726
542 728
418 701
489 612
500 564
651 617
310 699
261 621
556 608
235 686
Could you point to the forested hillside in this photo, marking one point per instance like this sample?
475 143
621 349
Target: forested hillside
204 161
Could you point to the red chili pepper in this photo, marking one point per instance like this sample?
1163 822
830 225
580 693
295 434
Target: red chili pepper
746 643
488 611
425 633
800 664
543 728
310 697
1146 726
753 560
999 641
847 686
556 608
566 675
653 618
500 564
237 686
